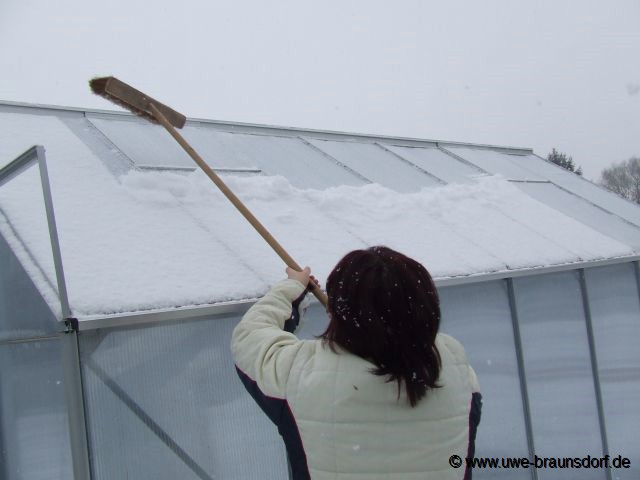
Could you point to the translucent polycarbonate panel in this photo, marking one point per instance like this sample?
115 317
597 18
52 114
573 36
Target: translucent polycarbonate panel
112 158
28 274
314 322
23 312
446 167
376 164
615 313
495 162
583 211
164 401
580 186
34 431
144 143
558 369
290 157
478 316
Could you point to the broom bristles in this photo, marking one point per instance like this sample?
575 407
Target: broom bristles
133 100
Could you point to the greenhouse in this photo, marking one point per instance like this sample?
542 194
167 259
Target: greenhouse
123 271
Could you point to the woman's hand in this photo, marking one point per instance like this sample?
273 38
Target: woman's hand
303 277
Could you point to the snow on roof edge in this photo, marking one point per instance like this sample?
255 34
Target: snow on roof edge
187 312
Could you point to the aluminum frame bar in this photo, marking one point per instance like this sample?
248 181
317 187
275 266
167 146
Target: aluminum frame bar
18 165
53 233
239 127
75 405
594 366
517 338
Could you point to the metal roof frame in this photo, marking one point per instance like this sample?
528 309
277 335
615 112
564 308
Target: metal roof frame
257 129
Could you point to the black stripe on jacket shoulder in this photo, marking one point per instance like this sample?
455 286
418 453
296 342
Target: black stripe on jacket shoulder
475 413
291 324
280 413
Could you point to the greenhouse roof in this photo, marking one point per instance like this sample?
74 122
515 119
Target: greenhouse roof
140 229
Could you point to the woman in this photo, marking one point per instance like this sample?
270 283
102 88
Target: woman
381 394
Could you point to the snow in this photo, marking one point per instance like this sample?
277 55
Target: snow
153 240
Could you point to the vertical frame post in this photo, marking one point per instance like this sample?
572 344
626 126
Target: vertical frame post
517 338
70 349
53 232
75 403
594 365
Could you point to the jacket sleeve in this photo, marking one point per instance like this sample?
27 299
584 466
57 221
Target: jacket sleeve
260 347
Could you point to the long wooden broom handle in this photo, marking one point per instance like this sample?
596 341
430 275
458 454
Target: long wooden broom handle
282 253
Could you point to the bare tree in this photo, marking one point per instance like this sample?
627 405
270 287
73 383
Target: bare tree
623 178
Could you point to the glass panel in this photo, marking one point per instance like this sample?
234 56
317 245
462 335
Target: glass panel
144 143
580 209
495 162
147 145
27 272
34 432
479 316
558 368
580 186
438 163
615 311
23 312
376 164
164 401
290 157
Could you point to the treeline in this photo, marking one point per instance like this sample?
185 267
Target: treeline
622 178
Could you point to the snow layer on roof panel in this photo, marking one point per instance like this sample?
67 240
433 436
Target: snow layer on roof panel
144 143
149 240
580 209
495 162
578 185
118 255
445 167
274 155
376 164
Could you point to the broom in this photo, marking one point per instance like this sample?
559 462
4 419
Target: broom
144 106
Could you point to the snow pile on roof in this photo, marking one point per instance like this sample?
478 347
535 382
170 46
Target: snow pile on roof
153 240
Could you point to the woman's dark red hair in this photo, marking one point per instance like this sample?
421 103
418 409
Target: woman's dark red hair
384 307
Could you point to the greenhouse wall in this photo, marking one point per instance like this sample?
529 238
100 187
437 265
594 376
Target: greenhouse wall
34 433
558 375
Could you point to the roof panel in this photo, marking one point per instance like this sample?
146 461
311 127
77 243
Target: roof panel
144 143
495 162
580 209
290 157
438 163
376 164
580 186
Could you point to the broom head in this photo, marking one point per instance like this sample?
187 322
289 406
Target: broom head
133 100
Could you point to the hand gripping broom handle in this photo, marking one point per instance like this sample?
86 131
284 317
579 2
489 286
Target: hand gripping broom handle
282 253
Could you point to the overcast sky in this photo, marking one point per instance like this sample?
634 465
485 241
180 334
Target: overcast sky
539 74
